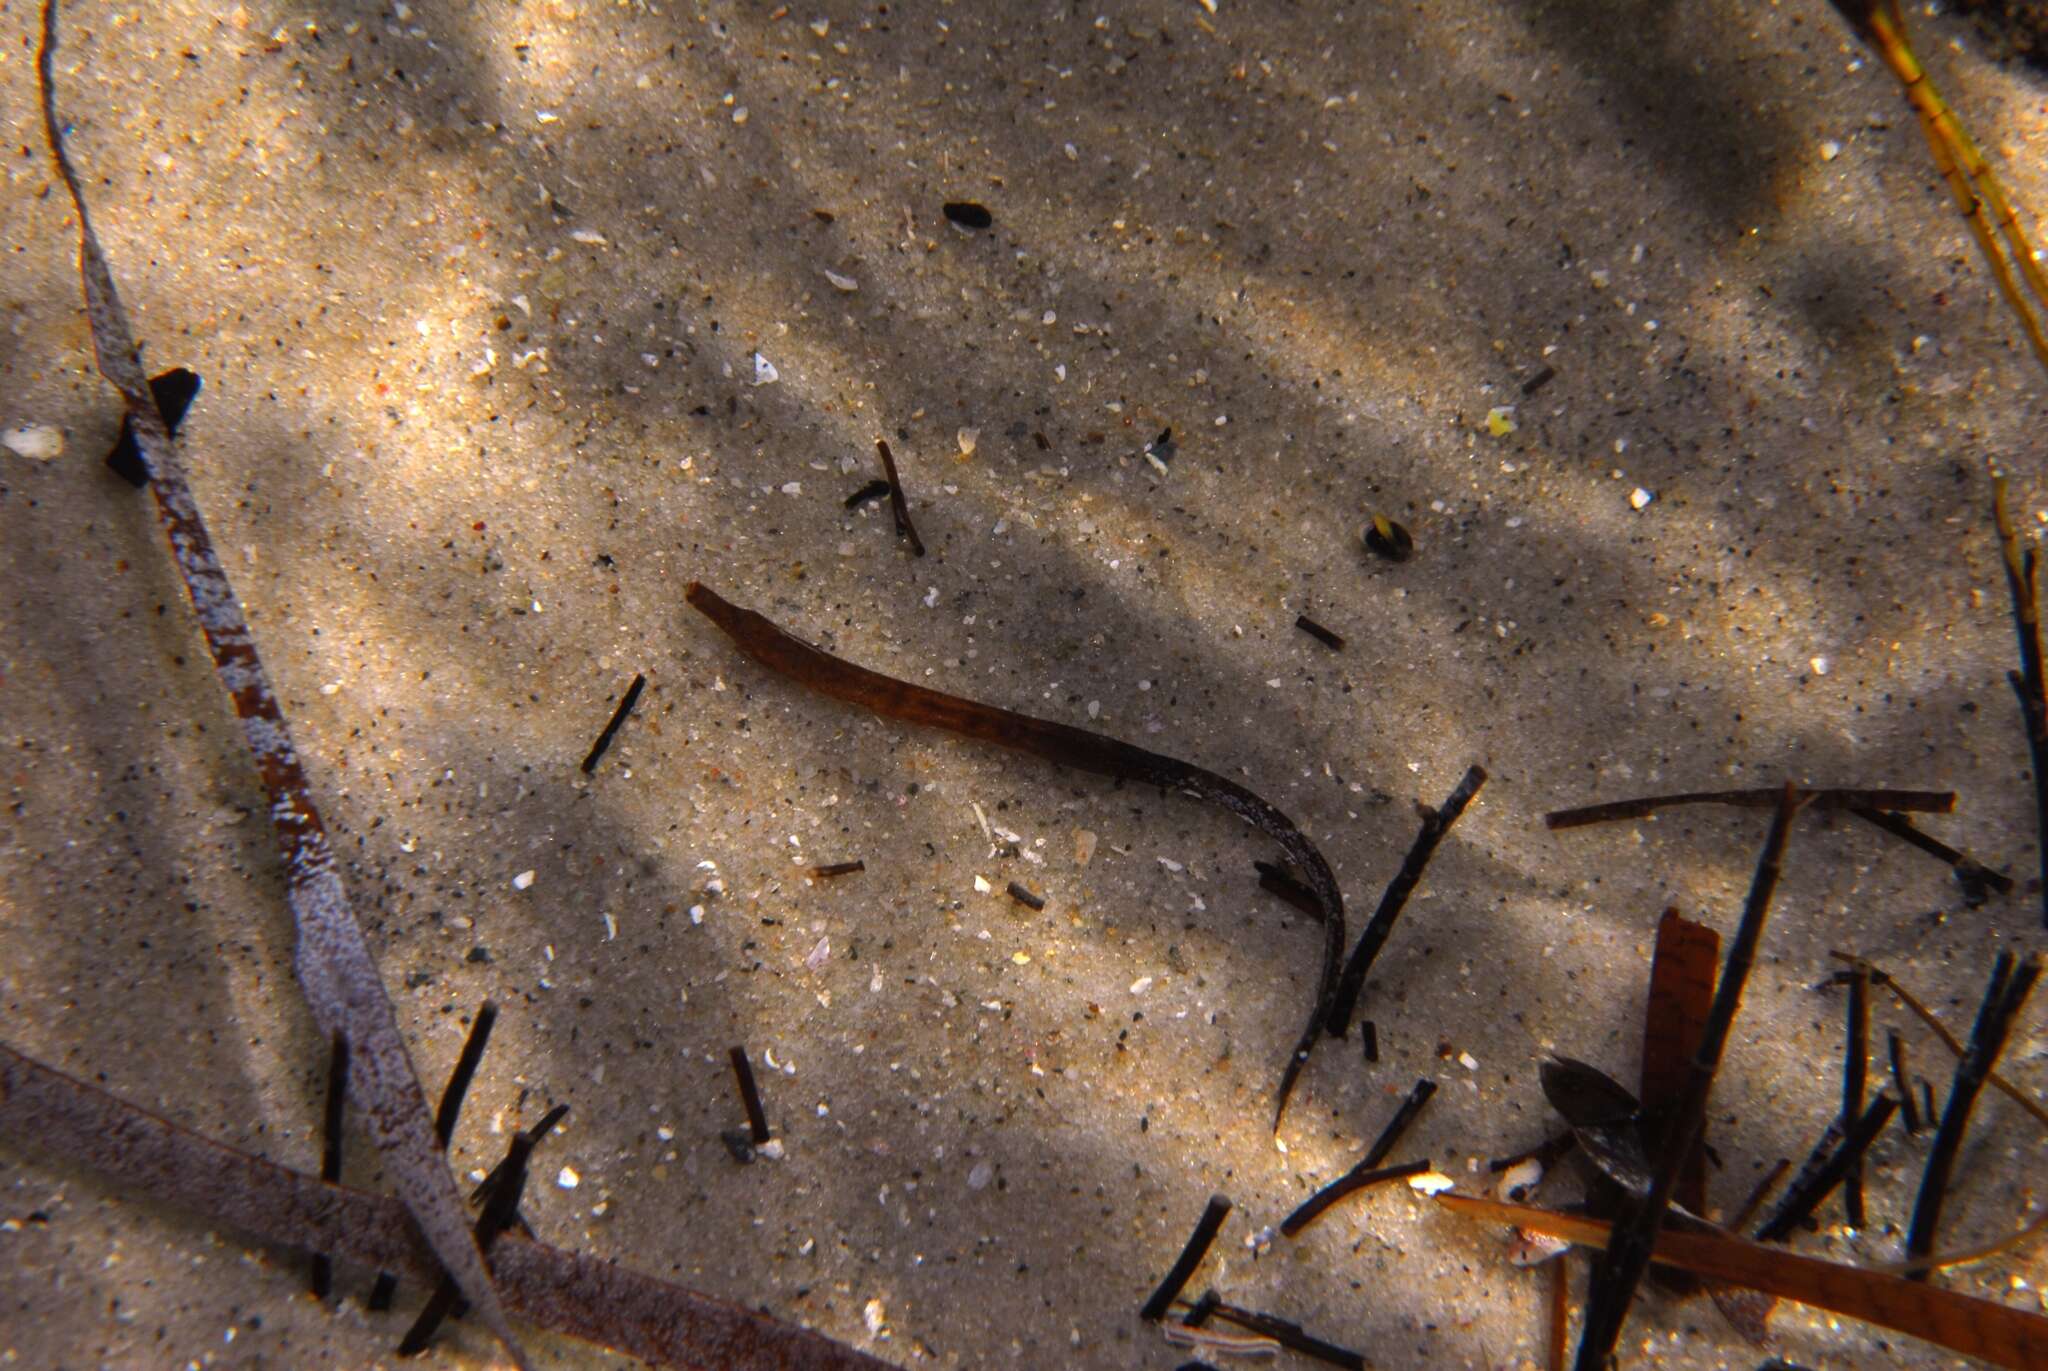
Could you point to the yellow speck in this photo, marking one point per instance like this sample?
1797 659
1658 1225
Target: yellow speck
1021 958
1500 420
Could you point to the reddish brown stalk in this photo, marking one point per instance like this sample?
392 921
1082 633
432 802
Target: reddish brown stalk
335 970
62 1121
1997 1333
1054 742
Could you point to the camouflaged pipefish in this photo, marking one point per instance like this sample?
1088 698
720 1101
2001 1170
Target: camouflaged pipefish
767 644
332 958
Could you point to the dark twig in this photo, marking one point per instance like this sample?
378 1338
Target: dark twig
1812 1191
1976 879
833 870
897 504
501 1207
1023 895
2022 584
1855 1069
611 730
1365 1174
1897 1052
330 1148
1620 1268
1359 1177
750 1095
53 1115
1381 927
1757 1192
1332 641
1177 1277
2003 999
1918 801
867 494
465 1071
1276 879
1878 976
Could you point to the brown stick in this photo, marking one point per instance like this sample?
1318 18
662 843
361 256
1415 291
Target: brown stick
1995 1332
60 1120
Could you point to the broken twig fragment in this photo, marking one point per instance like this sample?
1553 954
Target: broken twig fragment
1022 895
1190 1258
1435 824
750 1096
618 721
833 870
1332 641
898 505
2004 997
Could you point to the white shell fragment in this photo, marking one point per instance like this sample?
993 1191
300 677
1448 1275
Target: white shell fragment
765 373
968 439
1640 498
841 283
567 1178
1431 1183
37 442
874 1315
523 880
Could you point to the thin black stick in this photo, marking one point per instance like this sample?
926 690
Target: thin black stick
465 1071
1359 1177
837 869
611 730
1410 1110
1291 1336
750 1095
1812 1191
1817 1157
1022 895
2003 999
1183 1268
330 1149
1755 1201
1364 1173
1855 1069
1879 976
1276 879
873 490
1369 1038
2020 582
1972 875
1381 927
1897 1046
1918 801
501 1207
1332 641
1620 1268
897 504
